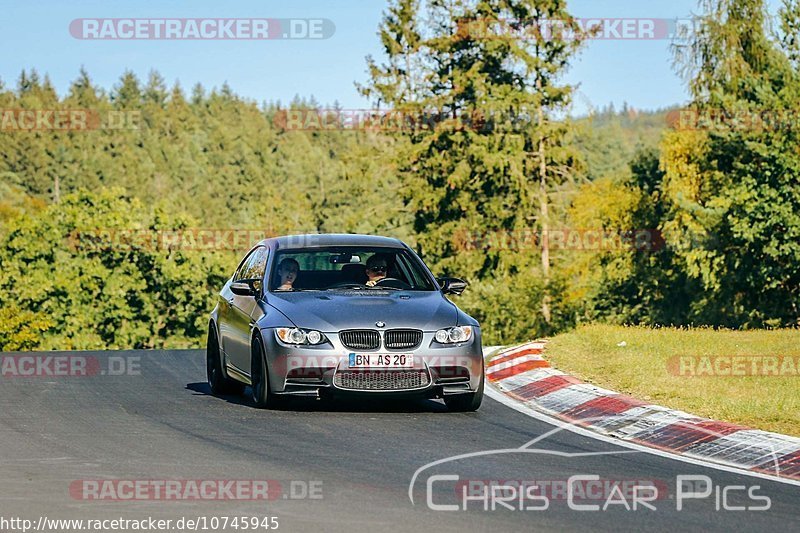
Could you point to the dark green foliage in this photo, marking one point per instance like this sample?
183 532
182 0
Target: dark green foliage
214 162
609 140
218 158
747 207
97 289
725 195
495 151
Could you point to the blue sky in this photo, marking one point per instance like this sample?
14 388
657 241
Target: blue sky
36 35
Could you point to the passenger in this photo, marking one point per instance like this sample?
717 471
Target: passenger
377 267
287 270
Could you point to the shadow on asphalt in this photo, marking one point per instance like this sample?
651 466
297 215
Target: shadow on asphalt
333 405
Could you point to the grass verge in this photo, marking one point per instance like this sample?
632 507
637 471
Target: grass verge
701 371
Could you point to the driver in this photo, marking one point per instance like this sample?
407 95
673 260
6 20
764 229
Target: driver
377 267
287 270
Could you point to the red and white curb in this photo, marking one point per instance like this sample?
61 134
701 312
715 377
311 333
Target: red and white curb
521 373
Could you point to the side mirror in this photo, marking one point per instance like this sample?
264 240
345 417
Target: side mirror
249 287
452 285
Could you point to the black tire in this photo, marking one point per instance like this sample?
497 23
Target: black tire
260 390
465 403
220 385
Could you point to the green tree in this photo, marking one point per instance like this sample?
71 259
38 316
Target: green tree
496 149
636 278
732 188
88 275
21 329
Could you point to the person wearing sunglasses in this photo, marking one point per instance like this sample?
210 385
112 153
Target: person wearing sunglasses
377 268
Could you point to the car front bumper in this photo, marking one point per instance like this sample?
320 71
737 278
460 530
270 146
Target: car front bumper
438 370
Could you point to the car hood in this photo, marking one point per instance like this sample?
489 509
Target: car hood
332 311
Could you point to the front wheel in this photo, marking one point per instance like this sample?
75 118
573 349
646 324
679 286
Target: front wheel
464 403
217 381
261 393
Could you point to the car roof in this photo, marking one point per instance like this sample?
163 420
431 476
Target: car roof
319 240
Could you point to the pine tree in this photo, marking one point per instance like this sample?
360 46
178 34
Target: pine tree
82 92
128 94
198 94
496 147
156 90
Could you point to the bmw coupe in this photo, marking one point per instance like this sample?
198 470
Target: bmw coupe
330 315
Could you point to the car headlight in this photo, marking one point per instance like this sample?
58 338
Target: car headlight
453 335
299 336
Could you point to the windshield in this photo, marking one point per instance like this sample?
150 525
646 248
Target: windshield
348 268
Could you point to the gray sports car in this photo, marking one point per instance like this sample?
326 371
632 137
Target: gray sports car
329 315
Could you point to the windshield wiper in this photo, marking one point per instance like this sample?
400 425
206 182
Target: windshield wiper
362 287
296 290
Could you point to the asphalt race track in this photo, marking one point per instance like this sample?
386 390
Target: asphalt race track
159 422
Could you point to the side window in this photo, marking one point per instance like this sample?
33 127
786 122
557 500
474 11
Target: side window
414 273
253 267
240 270
239 274
257 264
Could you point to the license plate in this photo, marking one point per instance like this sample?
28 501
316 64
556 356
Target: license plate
381 360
